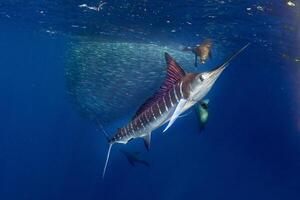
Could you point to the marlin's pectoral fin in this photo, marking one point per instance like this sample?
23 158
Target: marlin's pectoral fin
176 113
147 141
184 115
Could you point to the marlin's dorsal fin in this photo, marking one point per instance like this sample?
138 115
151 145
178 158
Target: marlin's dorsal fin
174 74
174 71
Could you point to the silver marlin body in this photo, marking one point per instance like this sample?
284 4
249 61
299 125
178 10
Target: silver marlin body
179 92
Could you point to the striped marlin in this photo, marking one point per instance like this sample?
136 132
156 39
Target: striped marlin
179 92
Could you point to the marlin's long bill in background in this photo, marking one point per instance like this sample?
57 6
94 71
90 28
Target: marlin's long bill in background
179 92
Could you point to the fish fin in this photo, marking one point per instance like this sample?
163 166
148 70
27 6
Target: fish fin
184 115
147 141
176 113
174 74
106 161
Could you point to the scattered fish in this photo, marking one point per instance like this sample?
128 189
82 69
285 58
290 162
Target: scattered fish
260 8
288 57
179 92
203 51
96 8
290 3
133 158
94 69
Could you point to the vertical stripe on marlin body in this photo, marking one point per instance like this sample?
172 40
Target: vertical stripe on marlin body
179 92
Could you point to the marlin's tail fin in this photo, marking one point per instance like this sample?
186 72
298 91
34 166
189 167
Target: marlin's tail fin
107 158
109 147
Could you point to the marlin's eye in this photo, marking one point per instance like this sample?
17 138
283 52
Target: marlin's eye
200 77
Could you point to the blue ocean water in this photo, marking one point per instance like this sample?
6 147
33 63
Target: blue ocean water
51 149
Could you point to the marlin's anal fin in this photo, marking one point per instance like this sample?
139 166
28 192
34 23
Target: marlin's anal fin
147 141
176 113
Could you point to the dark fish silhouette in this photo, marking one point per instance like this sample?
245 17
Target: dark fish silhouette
178 93
203 51
133 158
